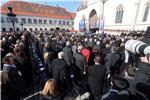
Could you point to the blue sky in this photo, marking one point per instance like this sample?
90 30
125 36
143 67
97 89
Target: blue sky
70 5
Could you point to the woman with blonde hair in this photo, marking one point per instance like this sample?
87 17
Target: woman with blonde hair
50 91
50 88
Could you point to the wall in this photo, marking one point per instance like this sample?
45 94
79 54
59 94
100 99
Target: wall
7 25
92 4
132 16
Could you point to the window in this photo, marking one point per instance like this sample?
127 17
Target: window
55 22
29 21
25 29
50 21
2 19
23 20
16 20
45 21
11 29
51 29
40 21
17 29
3 30
8 19
64 23
30 29
59 22
36 29
67 22
146 13
35 21
119 14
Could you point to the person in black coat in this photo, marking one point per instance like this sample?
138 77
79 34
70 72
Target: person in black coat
80 60
112 62
59 71
96 74
15 87
67 53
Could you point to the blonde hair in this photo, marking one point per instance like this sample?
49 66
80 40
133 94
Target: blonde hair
49 88
46 55
4 77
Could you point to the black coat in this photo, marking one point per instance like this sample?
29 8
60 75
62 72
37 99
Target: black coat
80 61
24 67
59 72
112 62
16 85
67 55
96 74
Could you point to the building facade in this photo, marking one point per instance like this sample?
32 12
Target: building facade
30 16
112 15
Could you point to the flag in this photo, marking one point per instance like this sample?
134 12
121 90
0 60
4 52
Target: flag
101 24
82 25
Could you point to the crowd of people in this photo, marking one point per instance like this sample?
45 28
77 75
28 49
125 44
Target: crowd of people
97 64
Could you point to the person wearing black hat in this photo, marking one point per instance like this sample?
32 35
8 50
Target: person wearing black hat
118 91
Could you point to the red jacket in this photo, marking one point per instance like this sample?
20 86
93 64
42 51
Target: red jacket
86 53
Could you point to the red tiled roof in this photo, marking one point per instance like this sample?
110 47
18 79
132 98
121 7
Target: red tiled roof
39 10
73 15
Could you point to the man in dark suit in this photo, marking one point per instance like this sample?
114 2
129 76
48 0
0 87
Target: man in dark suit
67 53
59 71
112 61
96 74
80 60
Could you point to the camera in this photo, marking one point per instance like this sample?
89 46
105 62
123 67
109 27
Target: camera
138 47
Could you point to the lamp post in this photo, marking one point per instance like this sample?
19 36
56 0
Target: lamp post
22 25
12 16
102 15
103 9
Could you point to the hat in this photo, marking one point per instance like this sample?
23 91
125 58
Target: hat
120 83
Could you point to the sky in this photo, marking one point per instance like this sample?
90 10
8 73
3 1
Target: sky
70 5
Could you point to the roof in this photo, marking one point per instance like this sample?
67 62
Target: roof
73 15
38 10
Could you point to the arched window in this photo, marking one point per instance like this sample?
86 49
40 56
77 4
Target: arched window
146 12
119 14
